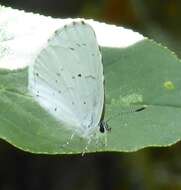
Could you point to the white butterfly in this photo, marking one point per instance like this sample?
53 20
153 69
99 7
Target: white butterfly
67 80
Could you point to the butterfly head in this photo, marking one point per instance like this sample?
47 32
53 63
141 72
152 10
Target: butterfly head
103 127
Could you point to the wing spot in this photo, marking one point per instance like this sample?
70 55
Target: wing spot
37 74
90 76
78 44
79 75
72 49
56 32
84 102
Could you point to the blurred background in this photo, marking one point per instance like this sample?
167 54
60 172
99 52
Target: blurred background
148 169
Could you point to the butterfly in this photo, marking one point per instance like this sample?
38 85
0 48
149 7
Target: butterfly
67 80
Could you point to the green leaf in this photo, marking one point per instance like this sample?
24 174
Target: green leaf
143 74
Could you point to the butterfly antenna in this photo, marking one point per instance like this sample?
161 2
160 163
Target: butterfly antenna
132 110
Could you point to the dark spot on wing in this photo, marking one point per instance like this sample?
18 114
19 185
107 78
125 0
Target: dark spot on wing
84 102
49 40
78 44
56 32
79 75
37 74
90 76
72 49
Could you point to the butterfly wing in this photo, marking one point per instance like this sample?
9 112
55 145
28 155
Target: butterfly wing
67 77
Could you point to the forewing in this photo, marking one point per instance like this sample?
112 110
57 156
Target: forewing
67 76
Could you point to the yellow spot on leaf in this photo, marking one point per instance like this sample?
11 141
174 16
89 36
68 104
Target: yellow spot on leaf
169 85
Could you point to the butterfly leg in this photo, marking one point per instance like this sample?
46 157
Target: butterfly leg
86 147
68 141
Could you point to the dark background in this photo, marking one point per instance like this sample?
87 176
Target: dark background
148 169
